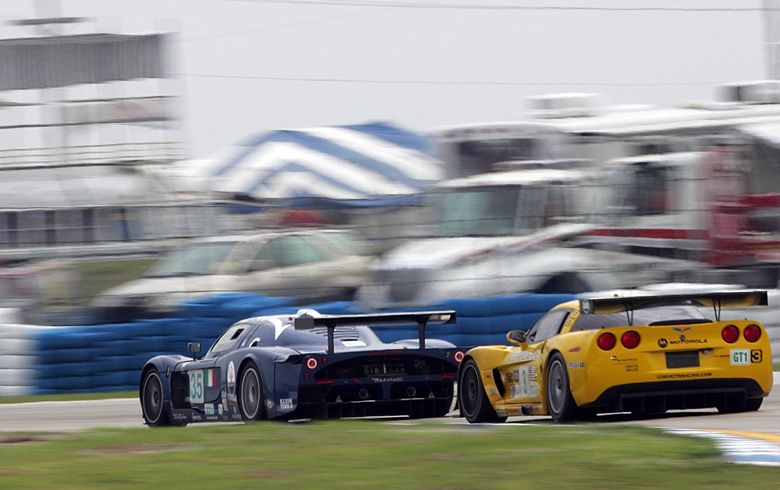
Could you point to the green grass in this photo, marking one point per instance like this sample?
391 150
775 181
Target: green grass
370 454
68 397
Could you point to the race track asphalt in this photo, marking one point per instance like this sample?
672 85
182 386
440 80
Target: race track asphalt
126 412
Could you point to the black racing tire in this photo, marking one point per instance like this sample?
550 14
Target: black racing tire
751 405
472 399
153 400
250 393
560 402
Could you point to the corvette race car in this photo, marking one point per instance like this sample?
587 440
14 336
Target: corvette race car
643 354
304 366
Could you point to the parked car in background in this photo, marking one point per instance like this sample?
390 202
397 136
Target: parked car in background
510 232
309 265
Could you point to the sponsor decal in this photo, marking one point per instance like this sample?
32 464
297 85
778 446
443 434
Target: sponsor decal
756 355
522 355
387 379
179 416
196 386
739 357
662 342
209 408
576 364
285 404
684 375
269 404
684 340
231 379
224 400
523 382
623 359
220 409
632 367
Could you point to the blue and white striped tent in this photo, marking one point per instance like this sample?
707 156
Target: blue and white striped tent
370 164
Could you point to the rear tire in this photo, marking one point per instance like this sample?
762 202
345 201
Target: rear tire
472 399
560 402
250 393
153 401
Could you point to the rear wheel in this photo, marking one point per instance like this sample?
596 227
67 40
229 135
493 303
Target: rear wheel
473 401
152 401
560 402
751 405
250 399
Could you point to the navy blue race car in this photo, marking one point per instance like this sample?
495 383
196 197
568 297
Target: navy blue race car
305 366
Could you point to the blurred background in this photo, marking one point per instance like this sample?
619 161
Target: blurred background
380 154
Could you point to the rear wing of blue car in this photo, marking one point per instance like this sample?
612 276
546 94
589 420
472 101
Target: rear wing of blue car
421 318
716 300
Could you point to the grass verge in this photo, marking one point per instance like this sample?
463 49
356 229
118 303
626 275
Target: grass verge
369 454
67 397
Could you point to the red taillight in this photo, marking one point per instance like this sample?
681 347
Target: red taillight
752 332
630 339
730 333
606 341
311 363
458 356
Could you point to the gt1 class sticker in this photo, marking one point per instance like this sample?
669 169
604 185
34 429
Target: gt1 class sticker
220 409
756 356
523 382
739 357
576 364
522 355
285 404
231 379
196 386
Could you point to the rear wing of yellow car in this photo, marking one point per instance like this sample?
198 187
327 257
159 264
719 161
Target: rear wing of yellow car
421 318
716 300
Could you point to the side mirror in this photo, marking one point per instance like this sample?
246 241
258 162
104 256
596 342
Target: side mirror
193 348
516 337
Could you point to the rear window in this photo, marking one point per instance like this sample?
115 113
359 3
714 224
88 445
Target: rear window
667 315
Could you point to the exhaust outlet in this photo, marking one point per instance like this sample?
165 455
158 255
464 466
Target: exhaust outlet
363 394
411 391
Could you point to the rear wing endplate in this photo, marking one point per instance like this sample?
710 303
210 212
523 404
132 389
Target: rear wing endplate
716 300
421 318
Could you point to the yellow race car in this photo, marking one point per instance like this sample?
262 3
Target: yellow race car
643 354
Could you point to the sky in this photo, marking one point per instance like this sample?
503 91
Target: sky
247 66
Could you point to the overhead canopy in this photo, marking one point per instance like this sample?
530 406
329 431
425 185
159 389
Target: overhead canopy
355 165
